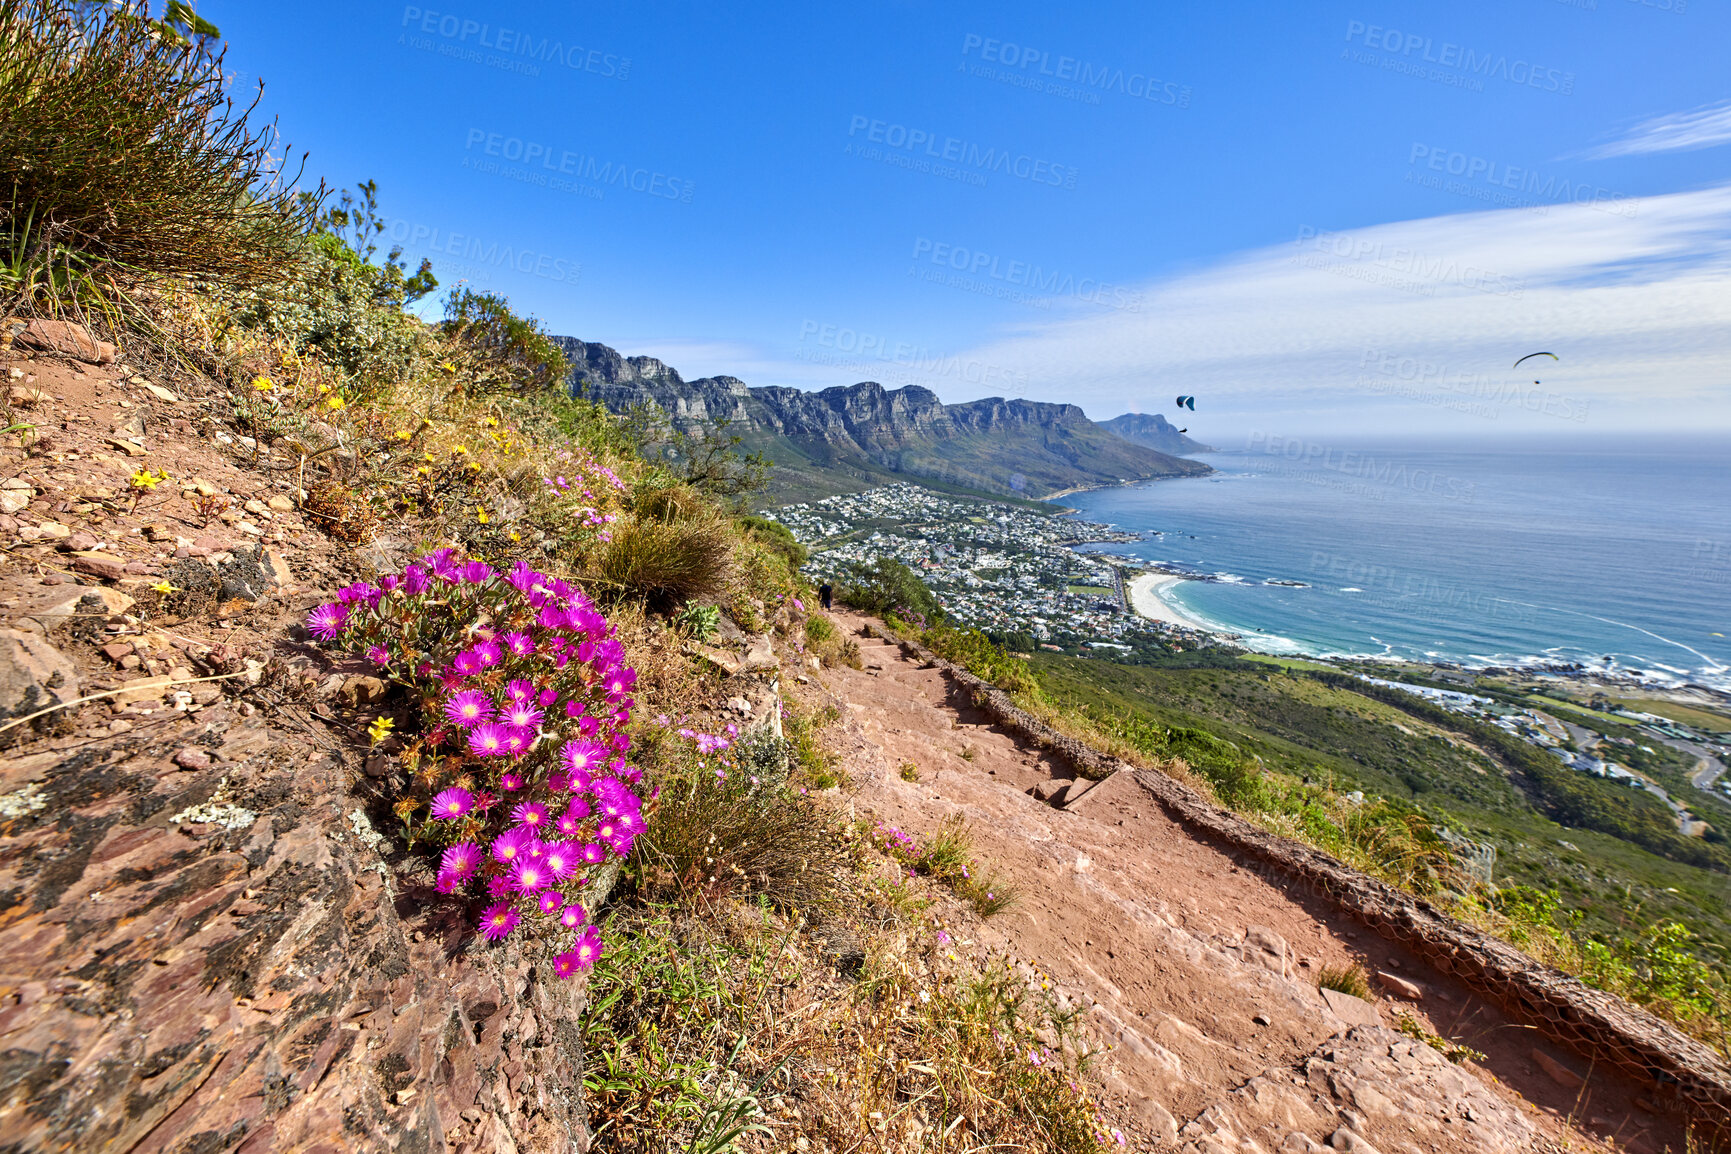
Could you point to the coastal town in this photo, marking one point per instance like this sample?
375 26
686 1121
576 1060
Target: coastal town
996 567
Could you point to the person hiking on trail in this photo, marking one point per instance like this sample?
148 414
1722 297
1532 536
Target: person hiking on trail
824 593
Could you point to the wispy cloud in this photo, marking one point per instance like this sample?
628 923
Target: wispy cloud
1674 132
1639 309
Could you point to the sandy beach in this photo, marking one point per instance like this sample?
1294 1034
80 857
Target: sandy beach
1145 598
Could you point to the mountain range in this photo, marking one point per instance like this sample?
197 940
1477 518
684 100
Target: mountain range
857 436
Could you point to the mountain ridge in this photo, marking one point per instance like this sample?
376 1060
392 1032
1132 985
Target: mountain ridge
849 437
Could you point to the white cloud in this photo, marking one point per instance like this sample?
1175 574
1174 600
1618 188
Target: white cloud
1293 337
1675 132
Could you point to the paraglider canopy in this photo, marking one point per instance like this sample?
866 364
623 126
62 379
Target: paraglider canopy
1187 403
1530 356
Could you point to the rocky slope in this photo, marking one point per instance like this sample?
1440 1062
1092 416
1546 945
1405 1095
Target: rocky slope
1202 971
1152 431
851 436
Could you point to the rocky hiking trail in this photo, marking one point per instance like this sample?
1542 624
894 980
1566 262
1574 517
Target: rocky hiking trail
1200 972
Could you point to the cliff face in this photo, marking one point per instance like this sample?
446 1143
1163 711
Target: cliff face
1152 430
866 433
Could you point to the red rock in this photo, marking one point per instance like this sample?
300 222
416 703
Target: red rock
33 674
190 758
104 565
61 337
117 650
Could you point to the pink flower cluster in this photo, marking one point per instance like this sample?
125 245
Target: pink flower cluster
527 696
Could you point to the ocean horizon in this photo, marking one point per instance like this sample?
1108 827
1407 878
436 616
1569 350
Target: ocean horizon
1615 555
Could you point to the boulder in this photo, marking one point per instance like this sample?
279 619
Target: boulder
61 337
104 565
1353 1011
33 674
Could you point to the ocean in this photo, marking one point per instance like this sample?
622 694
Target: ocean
1612 554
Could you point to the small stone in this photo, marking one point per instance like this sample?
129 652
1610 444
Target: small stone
104 565
142 689
159 532
119 725
362 690
190 758
78 542
1560 1074
257 507
158 392
117 650
250 529
54 529
280 504
1351 1142
15 500
127 447
202 487
1262 1020
1400 987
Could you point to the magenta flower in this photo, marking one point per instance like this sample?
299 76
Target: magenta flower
466 663
594 853
490 739
530 815
520 644
509 846
510 782
379 655
584 757
531 877
558 781
469 708
498 921
518 740
588 948
519 689
326 621
550 901
447 882
452 803
414 580
630 823
562 859
572 916
499 886
477 572
487 652
546 697
565 964
462 859
522 715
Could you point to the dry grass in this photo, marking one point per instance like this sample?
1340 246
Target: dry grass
665 563
1344 979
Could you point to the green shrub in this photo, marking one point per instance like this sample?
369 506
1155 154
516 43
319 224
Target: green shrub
776 537
728 823
666 563
885 587
124 158
484 322
974 651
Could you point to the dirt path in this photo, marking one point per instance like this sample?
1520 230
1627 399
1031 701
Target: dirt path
1203 974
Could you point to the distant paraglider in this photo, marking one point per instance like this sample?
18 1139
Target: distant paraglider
1530 356
1187 403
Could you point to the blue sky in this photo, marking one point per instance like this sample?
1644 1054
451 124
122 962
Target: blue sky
1343 216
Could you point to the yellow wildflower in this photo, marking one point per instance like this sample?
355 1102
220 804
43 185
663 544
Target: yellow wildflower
380 729
423 470
144 480
262 384
334 402
404 435
460 450
481 515
492 422
448 367
323 389
163 587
